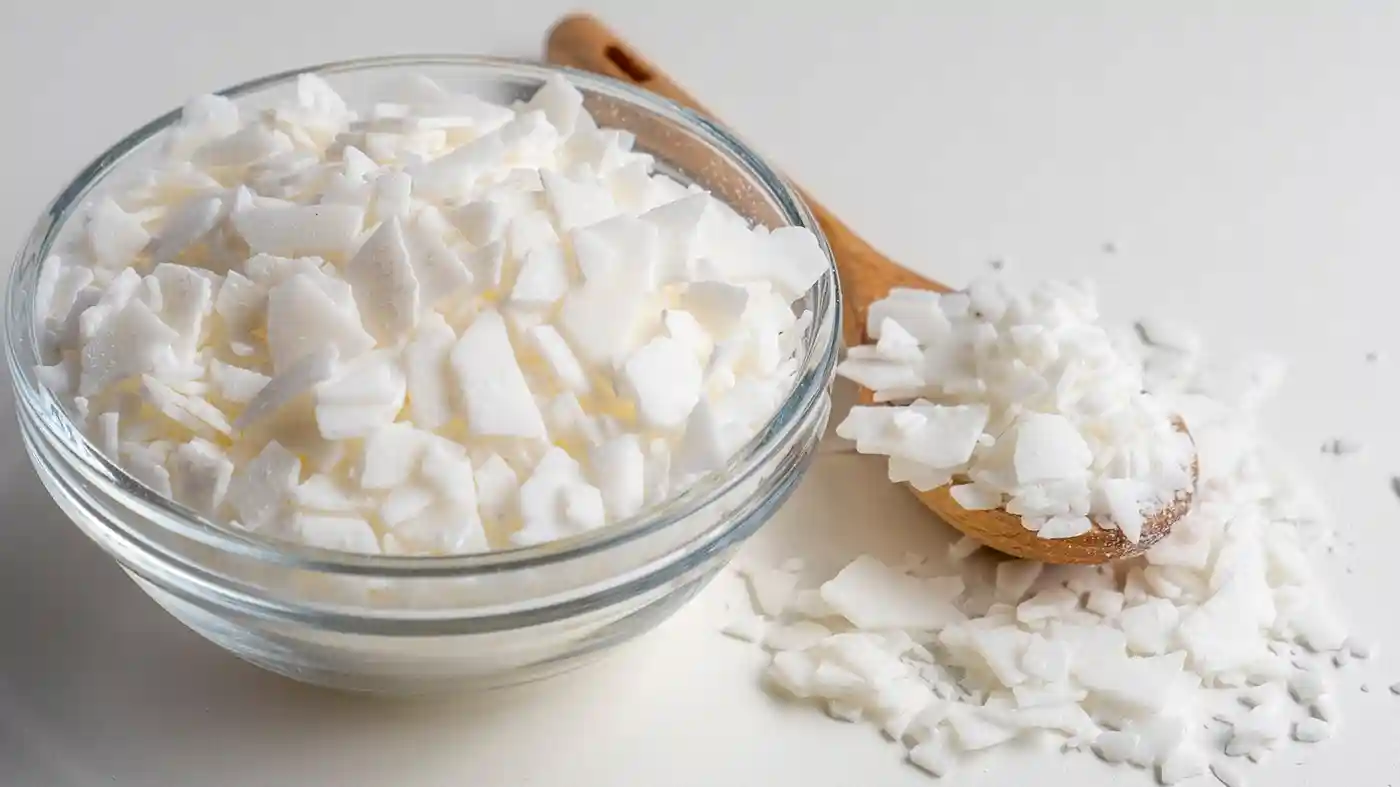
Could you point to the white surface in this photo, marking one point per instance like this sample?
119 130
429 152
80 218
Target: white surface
1245 166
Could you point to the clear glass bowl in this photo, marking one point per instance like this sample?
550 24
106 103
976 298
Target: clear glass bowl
408 625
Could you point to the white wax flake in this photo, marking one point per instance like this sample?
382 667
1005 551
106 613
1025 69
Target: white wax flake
393 193
1259 728
385 287
771 589
1049 448
880 374
583 507
200 476
246 146
617 247
487 266
1170 336
1014 578
426 372
567 421
678 223
261 490
744 626
129 344
1064 526
555 502
187 297
602 317
114 236
190 412
530 229
1115 747
543 278
302 318
577 204
58 290
109 434
664 379
797 262
453 175
448 471
932 757
1325 708
391 455
337 532
975 732
797 636
481 223
373 378
619 470
1311 731
497 487
1308 685
1046 660
705 446
975 497
1228 774
298 230
1106 602
933 435
561 359
1001 650
404 503
494 392
296 380
1185 763
1046 605
321 492
186 225
441 272
119 291
874 596
207 117
1150 626
561 103
1122 498
683 327
793 672
718 306
149 471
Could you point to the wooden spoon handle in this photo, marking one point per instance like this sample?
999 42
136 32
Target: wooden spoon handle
583 42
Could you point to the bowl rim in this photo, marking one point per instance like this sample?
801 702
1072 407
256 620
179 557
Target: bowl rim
817 353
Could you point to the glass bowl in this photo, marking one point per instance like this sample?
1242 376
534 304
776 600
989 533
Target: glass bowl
405 624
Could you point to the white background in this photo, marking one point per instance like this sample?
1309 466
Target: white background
1243 158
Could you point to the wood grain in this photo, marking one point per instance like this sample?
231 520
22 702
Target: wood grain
581 41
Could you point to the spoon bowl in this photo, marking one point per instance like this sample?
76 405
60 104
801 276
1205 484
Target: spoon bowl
581 41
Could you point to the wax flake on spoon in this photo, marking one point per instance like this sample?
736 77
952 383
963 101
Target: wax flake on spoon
1065 449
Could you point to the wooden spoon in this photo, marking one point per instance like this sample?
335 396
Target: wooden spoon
581 41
